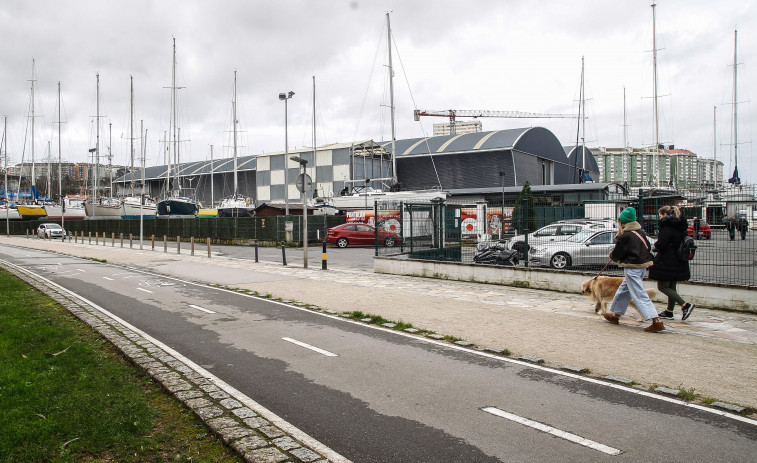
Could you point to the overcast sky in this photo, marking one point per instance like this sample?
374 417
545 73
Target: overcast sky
506 55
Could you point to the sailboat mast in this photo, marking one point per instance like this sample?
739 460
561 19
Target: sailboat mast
49 171
110 159
391 97
735 103
5 185
60 170
715 145
131 130
97 145
173 113
315 160
212 200
625 121
234 117
34 177
583 119
656 161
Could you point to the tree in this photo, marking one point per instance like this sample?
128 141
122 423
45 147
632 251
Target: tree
524 213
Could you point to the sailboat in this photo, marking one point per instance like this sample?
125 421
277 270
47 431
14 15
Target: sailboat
100 207
174 205
7 211
133 206
67 208
31 210
365 197
735 180
236 205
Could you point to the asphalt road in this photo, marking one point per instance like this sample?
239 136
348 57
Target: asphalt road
378 396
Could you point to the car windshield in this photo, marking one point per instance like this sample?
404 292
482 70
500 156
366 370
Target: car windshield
51 226
580 236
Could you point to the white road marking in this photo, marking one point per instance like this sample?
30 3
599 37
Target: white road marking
80 270
313 348
200 308
145 290
106 278
554 431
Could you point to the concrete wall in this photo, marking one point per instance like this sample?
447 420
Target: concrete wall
705 295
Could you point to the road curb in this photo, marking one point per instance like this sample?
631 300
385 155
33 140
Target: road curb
242 428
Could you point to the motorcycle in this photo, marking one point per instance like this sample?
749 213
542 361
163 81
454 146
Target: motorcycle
494 253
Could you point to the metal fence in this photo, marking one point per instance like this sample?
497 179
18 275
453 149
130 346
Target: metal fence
448 231
271 230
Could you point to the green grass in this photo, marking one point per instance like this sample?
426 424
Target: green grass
66 394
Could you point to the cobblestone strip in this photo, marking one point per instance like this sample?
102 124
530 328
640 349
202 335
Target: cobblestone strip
250 435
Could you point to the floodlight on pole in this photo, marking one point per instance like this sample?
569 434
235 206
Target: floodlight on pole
284 97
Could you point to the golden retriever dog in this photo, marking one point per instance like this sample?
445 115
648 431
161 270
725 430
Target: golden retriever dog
602 289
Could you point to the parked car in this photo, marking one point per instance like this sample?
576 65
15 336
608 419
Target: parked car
589 247
558 231
704 230
50 230
360 233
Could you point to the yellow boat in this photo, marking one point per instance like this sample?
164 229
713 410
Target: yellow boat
31 211
207 213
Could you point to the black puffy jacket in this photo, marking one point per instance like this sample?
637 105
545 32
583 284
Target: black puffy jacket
667 266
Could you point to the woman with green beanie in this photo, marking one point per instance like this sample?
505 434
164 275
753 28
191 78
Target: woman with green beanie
633 253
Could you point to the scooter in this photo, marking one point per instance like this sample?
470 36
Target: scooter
494 253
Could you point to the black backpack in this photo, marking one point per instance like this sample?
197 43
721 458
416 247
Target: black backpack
686 249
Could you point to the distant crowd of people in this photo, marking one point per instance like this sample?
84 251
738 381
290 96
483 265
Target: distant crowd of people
732 225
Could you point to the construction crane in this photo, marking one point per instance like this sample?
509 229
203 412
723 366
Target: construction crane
455 113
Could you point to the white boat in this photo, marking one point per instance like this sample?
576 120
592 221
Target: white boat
366 198
134 206
104 208
9 213
71 209
236 205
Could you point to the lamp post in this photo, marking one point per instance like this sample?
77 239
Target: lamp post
285 97
303 177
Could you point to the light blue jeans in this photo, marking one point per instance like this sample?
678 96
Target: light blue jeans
633 289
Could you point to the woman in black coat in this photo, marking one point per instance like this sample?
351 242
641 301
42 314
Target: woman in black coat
668 269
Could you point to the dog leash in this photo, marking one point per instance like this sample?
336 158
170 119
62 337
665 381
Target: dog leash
603 269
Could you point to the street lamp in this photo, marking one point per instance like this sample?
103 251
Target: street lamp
303 163
285 97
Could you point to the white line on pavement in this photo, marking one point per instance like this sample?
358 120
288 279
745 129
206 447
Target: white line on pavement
145 290
80 270
554 431
313 348
200 308
106 278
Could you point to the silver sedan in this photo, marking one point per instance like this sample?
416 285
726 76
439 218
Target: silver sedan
584 248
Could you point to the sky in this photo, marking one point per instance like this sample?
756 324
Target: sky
503 55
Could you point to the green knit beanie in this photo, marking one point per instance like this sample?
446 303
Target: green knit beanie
628 215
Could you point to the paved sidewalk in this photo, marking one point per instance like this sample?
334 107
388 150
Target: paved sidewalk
711 354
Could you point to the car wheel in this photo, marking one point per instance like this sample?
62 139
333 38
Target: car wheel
560 261
390 241
342 242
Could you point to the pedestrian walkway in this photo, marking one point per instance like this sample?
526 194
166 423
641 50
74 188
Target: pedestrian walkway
711 354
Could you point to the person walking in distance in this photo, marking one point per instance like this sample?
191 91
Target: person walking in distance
730 225
697 226
668 269
633 254
743 226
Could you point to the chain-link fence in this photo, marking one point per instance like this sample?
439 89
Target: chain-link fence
538 232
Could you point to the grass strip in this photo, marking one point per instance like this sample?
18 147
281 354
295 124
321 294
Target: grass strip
67 394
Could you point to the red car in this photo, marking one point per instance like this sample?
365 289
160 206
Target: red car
704 230
360 233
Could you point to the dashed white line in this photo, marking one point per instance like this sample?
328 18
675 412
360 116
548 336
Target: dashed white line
313 348
145 290
200 308
106 278
80 270
554 431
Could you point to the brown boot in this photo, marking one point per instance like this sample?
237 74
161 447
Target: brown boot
655 326
612 317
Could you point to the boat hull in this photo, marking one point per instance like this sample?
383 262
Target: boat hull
9 214
31 212
100 211
177 207
207 213
71 213
134 210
